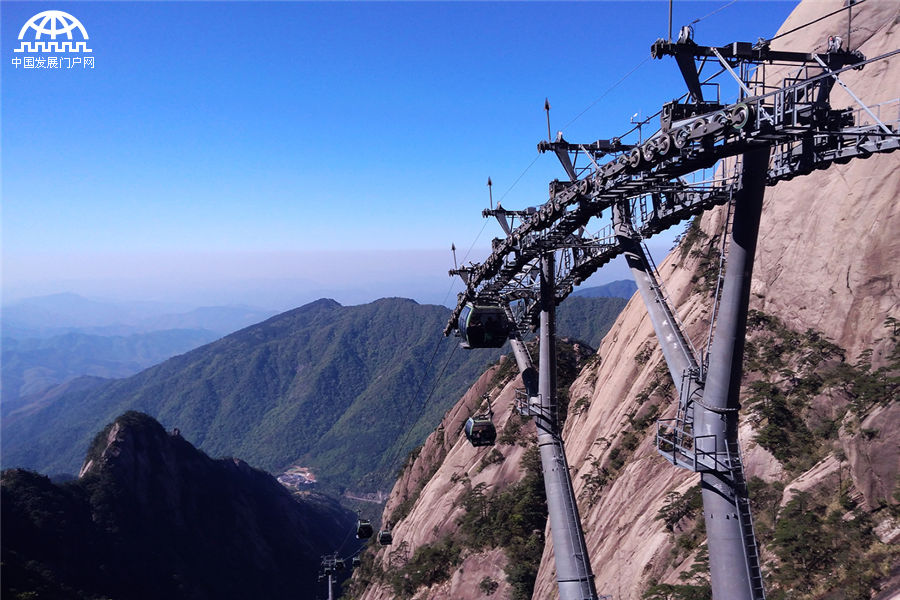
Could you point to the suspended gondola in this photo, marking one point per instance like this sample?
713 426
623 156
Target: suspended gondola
479 429
356 561
483 326
364 529
385 537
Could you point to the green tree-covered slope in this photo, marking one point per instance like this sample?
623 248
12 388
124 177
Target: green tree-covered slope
340 389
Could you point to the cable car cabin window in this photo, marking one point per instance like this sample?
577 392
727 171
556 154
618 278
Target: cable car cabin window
480 432
464 320
483 326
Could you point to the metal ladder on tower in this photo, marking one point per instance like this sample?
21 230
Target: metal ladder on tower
675 437
742 508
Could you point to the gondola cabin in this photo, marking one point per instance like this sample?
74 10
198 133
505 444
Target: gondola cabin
480 431
364 529
385 538
339 564
483 326
356 561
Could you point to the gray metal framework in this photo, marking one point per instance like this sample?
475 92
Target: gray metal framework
771 133
804 135
329 566
538 399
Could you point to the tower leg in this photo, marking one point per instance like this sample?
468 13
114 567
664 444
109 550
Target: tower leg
676 351
573 566
733 557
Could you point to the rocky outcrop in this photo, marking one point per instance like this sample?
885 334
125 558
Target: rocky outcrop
153 517
828 252
425 505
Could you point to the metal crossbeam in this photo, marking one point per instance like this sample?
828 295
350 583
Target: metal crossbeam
795 120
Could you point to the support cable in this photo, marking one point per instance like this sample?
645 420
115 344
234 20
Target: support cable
608 90
441 374
343 543
815 21
721 8
521 175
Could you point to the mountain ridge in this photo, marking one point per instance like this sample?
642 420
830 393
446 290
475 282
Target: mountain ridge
621 288
33 365
152 517
347 391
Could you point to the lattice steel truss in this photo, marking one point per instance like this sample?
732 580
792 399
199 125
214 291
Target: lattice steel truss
664 180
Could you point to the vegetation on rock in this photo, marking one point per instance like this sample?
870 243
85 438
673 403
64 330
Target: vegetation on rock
155 518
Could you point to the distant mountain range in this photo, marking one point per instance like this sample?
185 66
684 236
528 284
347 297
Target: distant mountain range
336 388
33 365
152 517
347 391
588 318
623 288
50 340
58 314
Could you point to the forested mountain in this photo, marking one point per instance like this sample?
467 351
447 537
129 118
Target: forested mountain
347 391
152 517
588 318
31 366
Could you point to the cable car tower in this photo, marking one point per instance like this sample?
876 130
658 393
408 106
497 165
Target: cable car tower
330 564
770 133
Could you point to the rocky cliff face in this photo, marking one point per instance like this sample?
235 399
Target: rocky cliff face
819 420
826 261
152 517
458 510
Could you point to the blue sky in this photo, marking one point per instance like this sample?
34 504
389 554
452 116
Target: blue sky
265 153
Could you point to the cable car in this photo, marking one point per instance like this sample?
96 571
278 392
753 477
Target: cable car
480 430
364 529
356 561
385 538
482 326
339 564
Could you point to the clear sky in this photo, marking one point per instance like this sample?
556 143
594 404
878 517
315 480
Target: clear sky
270 152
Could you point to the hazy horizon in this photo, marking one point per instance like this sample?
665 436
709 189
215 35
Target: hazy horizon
279 293
271 153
